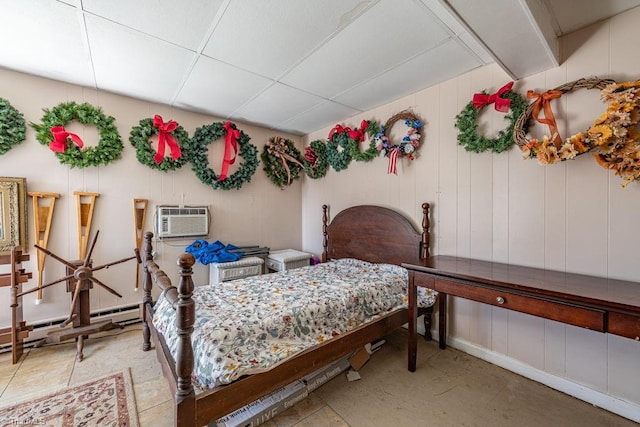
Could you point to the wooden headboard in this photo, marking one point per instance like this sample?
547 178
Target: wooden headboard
374 234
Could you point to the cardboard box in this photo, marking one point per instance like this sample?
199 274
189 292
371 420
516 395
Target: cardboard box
323 375
359 358
265 408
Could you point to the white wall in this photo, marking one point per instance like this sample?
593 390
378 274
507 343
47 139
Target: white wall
571 217
257 214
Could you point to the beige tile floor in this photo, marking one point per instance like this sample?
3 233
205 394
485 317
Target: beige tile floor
449 388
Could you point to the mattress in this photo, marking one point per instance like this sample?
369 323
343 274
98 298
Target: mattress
251 325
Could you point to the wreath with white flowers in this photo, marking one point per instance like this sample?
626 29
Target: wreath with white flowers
170 133
315 159
281 161
12 126
204 136
409 144
51 132
505 101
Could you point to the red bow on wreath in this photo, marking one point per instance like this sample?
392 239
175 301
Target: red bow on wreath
60 136
501 104
358 133
230 149
165 138
337 130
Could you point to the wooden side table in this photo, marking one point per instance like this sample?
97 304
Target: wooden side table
595 303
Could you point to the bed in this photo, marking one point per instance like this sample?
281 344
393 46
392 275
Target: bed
365 233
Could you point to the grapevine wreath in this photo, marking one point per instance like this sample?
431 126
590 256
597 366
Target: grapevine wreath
12 126
51 132
281 161
169 134
466 121
407 147
234 138
552 149
315 159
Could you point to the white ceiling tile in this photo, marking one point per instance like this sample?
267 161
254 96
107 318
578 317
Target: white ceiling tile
278 62
184 22
444 13
323 115
120 67
277 104
270 36
509 30
384 36
569 20
447 60
59 53
476 47
219 88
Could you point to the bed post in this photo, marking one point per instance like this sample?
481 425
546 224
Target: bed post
185 318
146 287
424 254
424 249
325 240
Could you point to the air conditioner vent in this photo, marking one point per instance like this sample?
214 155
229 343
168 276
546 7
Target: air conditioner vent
178 221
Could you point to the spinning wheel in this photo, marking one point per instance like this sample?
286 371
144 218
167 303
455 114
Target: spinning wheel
80 273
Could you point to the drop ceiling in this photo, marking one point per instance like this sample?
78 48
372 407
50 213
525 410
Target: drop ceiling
289 65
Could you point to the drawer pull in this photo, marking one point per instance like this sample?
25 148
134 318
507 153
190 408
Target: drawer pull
500 300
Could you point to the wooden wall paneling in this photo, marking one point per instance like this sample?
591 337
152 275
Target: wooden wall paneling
555 348
463 169
526 338
448 153
427 182
526 196
499 330
624 31
622 375
587 357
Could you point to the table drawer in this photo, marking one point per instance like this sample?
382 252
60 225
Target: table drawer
625 325
572 314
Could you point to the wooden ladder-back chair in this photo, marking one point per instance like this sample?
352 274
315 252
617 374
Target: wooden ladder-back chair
19 331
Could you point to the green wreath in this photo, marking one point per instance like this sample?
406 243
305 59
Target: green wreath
315 159
108 149
281 161
371 128
12 126
139 138
466 122
205 135
339 160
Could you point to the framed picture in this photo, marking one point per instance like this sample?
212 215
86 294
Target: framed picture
13 214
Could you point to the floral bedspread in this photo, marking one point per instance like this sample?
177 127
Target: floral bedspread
250 325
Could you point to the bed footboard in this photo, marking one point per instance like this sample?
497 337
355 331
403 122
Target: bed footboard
180 299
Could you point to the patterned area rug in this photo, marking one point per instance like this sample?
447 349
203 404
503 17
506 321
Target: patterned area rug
107 401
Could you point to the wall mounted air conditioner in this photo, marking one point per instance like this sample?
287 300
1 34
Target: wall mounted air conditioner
182 221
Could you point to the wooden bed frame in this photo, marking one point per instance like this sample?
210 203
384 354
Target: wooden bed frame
369 233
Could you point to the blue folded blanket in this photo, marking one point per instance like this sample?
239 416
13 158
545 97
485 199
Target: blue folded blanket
206 253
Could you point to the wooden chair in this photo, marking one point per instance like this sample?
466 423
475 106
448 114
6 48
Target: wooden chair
19 331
